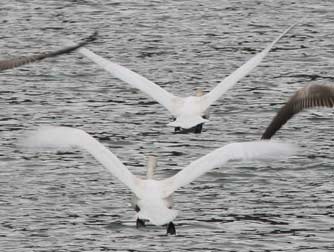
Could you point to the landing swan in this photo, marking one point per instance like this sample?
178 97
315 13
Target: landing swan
306 97
189 112
152 199
19 61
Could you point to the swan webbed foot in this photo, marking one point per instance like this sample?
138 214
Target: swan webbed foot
140 223
198 128
171 228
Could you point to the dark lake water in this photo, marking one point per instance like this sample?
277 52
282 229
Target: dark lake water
67 202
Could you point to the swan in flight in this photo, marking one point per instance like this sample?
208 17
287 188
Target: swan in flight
189 113
307 97
23 60
153 198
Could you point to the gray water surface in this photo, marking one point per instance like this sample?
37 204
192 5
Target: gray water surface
67 202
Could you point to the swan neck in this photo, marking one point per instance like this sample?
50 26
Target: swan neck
151 165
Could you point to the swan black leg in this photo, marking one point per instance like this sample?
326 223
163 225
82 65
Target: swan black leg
171 228
198 128
140 223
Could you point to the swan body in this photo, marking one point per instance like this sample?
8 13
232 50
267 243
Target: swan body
19 61
187 111
153 198
155 205
307 97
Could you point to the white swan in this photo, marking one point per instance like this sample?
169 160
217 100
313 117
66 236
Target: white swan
189 112
23 60
152 199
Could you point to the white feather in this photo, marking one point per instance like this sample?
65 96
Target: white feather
258 150
153 197
241 72
65 137
185 109
165 98
187 122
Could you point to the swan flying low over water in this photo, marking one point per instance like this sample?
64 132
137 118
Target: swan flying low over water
189 112
153 198
23 60
307 97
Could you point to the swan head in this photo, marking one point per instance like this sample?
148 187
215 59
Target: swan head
199 92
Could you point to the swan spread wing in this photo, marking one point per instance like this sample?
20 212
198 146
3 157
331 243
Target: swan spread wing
307 97
19 61
65 137
258 150
241 72
159 94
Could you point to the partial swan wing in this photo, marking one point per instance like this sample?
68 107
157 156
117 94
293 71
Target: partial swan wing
16 62
307 97
241 72
64 137
157 93
260 150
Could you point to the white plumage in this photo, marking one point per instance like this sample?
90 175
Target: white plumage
188 111
153 197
